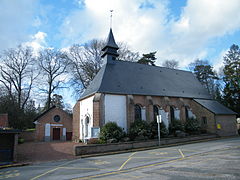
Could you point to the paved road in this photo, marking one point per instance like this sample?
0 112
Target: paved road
219 159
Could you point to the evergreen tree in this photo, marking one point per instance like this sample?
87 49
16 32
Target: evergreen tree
148 59
205 74
232 78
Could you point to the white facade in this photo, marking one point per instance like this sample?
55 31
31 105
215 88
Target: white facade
115 110
164 116
177 114
143 113
191 114
86 117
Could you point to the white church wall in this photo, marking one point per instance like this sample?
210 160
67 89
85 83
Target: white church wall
143 113
164 116
86 109
177 114
115 110
191 114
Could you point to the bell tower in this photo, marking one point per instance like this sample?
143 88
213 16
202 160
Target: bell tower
110 49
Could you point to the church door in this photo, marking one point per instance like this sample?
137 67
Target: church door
56 133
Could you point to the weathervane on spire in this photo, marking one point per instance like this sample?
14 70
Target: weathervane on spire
111 11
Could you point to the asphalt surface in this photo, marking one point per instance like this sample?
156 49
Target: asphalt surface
218 159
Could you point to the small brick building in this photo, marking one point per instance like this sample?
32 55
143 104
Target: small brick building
8 141
54 124
125 91
3 120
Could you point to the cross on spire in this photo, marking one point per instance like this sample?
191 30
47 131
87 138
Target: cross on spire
111 11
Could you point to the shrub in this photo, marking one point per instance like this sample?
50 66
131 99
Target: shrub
154 129
94 141
176 125
20 140
140 129
111 131
192 126
163 130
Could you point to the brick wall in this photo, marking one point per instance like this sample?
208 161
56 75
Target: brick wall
162 102
165 103
3 120
97 109
200 112
228 125
65 120
28 136
76 121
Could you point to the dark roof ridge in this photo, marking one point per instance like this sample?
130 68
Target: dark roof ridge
46 111
154 66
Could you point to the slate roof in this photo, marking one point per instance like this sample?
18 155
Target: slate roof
215 107
122 77
45 112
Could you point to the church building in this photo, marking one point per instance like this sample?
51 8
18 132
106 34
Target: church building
124 91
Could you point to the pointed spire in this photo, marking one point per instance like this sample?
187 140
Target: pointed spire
111 41
111 47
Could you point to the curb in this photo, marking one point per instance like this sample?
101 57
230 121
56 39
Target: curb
13 165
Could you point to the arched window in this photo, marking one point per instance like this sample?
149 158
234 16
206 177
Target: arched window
186 112
138 113
155 112
172 116
86 125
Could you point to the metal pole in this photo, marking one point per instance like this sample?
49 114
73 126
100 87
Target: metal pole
159 121
159 134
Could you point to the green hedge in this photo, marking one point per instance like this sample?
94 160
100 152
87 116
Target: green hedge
192 126
111 131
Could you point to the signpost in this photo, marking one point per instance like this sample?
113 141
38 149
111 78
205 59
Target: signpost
159 120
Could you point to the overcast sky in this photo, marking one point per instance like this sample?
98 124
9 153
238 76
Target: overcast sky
177 29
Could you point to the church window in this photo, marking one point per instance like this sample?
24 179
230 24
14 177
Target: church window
186 113
204 120
172 117
86 126
138 112
155 112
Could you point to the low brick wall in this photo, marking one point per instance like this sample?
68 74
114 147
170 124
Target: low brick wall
28 136
102 148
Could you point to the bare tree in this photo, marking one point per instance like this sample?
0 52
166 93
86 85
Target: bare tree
173 64
86 61
53 65
17 72
125 54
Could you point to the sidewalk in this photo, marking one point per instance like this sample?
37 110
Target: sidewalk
35 152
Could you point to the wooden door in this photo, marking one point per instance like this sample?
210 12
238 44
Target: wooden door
56 133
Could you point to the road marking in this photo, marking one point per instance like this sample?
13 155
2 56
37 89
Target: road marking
129 158
158 153
52 170
128 170
9 174
36 177
201 161
100 162
79 168
154 164
153 157
181 153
